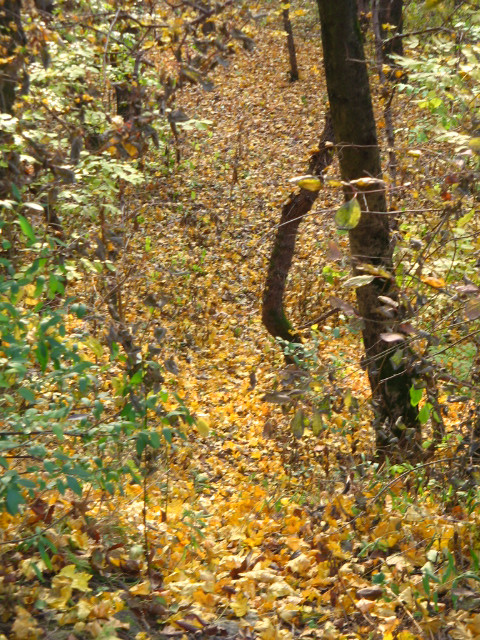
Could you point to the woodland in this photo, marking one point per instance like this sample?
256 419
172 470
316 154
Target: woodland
239 306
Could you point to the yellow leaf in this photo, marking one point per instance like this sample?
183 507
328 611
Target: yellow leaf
436 283
59 598
94 345
141 589
368 183
348 216
25 626
240 606
130 149
310 183
203 427
474 144
301 564
266 630
78 580
415 153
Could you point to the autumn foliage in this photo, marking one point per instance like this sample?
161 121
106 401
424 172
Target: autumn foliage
166 472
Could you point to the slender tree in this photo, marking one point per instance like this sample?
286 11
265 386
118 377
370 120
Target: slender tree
390 13
292 54
293 212
12 38
370 243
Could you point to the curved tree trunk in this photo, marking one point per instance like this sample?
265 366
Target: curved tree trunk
297 206
356 141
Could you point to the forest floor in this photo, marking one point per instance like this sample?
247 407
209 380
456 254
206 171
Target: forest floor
253 533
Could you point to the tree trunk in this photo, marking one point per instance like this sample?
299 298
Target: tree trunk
287 25
356 141
387 89
390 12
297 206
12 37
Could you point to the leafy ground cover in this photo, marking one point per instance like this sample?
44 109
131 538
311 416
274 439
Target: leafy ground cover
268 519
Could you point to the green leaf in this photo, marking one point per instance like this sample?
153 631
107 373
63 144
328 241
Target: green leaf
426 585
415 396
142 441
42 355
167 434
155 440
317 423
43 554
16 192
348 216
397 358
136 378
297 424
378 578
79 310
74 485
424 413
27 394
26 228
13 500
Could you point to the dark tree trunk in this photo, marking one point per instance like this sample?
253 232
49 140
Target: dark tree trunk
297 206
287 25
387 89
363 12
12 37
356 141
390 12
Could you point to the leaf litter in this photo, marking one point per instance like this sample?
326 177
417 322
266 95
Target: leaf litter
252 531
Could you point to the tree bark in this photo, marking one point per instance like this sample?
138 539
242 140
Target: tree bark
12 37
370 244
292 54
297 206
390 12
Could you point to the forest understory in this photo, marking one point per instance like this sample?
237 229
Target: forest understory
271 518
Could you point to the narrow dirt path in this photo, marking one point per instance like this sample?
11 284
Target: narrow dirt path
229 526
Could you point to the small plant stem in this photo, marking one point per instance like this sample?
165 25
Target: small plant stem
167 482
145 533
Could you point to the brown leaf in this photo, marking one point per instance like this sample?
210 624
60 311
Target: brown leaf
472 309
338 303
333 253
370 593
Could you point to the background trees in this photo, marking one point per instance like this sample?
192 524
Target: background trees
84 94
